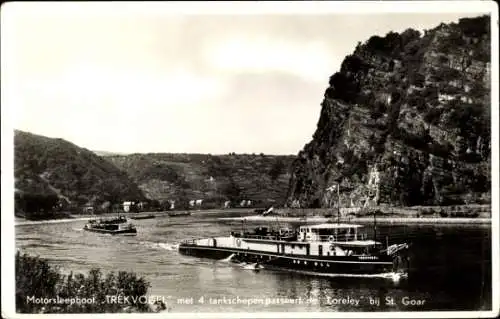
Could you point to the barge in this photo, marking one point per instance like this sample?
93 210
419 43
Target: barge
151 216
113 226
178 214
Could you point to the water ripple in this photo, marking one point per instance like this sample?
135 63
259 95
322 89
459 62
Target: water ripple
440 257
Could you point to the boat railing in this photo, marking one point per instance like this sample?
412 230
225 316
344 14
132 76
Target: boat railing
191 241
271 237
344 237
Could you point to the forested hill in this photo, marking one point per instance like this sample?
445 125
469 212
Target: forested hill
405 121
260 178
50 171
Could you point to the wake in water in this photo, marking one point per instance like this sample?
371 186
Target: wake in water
253 266
394 276
51 221
228 259
243 264
171 247
156 245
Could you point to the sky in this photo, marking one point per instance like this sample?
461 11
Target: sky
148 80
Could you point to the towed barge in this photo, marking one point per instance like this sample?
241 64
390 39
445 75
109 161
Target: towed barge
331 248
113 226
150 216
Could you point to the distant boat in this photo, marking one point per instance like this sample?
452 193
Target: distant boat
178 214
112 220
264 211
268 211
150 216
113 226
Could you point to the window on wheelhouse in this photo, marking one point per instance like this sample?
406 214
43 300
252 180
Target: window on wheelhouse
364 250
333 232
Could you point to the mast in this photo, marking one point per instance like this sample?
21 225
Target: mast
338 203
279 226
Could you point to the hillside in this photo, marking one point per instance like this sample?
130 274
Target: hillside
49 172
52 171
263 179
406 121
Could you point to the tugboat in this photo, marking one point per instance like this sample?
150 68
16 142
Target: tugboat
330 248
114 226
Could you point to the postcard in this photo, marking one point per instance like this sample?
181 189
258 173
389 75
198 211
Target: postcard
250 159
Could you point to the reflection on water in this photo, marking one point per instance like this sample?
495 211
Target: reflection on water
450 268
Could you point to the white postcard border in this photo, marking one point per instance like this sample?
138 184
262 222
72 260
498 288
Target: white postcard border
251 7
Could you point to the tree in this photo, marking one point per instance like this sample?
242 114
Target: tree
35 277
232 190
277 169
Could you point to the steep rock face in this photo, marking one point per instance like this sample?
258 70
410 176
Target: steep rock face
52 170
406 121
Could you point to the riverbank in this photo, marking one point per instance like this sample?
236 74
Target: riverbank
312 216
380 220
19 221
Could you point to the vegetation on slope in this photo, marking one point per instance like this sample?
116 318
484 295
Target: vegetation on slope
41 288
415 108
55 174
262 179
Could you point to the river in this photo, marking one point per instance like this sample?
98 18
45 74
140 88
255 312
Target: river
450 268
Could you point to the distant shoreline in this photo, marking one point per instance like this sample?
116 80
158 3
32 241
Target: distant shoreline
20 221
269 218
27 222
379 220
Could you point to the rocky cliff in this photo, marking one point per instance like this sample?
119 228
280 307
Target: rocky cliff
405 121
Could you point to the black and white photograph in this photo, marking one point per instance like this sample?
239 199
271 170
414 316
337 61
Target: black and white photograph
250 159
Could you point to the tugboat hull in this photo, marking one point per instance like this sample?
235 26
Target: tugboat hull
112 232
351 265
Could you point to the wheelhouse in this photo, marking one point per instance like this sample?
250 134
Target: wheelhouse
331 233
